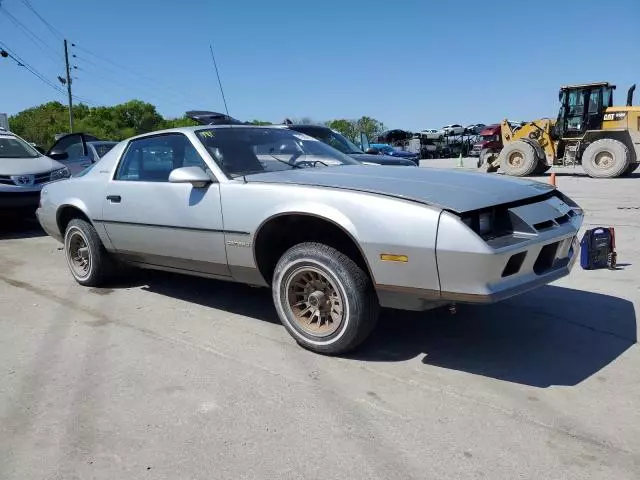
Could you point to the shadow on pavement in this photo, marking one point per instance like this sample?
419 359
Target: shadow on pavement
236 298
552 336
16 228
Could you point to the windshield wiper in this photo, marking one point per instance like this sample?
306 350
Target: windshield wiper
292 165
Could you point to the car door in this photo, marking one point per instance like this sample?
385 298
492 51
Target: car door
71 150
152 221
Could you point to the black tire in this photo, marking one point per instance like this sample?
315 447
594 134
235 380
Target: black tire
542 167
630 169
606 158
359 308
518 159
99 267
485 154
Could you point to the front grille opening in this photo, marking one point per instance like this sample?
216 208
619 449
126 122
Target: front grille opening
514 264
545 258
544 225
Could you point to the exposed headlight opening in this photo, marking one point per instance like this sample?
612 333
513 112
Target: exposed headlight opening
60 174
485 223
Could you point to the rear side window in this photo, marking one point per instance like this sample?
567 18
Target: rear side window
153 159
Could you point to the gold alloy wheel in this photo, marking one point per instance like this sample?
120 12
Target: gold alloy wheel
316 304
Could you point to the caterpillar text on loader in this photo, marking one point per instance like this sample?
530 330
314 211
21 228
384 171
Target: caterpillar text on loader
589 130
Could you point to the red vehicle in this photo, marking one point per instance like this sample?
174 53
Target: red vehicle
490 142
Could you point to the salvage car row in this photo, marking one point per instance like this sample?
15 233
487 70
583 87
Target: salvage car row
333 238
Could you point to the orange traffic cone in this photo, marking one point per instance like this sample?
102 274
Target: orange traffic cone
552 179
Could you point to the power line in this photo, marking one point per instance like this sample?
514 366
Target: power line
138 74
32 36
21 63
96 78
51 28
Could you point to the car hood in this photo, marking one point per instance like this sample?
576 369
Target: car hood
380 159
25 166
458 191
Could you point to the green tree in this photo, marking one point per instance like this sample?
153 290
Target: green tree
348 128
370 127
179 122
260 122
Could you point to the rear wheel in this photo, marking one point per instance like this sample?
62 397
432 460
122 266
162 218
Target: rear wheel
89 262
606 158
630 169
518 159
325 301
542 167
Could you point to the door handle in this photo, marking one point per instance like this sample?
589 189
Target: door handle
114 198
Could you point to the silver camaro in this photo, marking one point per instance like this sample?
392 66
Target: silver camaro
334 239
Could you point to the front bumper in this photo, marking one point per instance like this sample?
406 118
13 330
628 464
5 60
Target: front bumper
544 248
19 203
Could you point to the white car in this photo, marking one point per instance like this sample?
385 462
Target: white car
23 172
453 129
431 134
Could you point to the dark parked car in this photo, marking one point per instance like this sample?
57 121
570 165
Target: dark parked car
340 142
77 151
384 149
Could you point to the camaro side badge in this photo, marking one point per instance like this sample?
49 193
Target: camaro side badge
236 243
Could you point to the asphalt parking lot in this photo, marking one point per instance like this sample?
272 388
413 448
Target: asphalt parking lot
169 377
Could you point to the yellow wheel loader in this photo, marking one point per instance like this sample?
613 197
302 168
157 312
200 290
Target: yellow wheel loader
589 131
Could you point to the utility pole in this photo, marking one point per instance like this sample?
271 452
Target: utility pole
66 59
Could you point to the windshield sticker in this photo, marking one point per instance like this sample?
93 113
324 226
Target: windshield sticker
208 134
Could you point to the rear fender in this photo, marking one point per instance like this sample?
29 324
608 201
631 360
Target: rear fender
78 204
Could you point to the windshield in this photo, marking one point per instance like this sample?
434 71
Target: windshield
244 151
335 139
103 148
14 147
489 138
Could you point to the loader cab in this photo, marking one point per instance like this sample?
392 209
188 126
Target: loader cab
582 108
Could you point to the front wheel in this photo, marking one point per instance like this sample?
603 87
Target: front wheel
323 298
518 159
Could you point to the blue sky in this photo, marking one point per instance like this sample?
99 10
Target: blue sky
412 64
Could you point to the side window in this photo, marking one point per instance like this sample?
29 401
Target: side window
191 157
152 159
594 102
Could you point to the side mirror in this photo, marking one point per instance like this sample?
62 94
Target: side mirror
196 176
58 155
372 151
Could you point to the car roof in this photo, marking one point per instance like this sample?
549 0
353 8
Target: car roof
202 127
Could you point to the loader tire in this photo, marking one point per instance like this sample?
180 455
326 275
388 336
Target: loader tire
606 158
518 159
542 167
630 169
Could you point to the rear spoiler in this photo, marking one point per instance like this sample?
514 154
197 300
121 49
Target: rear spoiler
204 117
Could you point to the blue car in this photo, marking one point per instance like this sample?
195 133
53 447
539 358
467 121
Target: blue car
385 149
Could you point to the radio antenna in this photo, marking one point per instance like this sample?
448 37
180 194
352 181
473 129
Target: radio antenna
215 65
